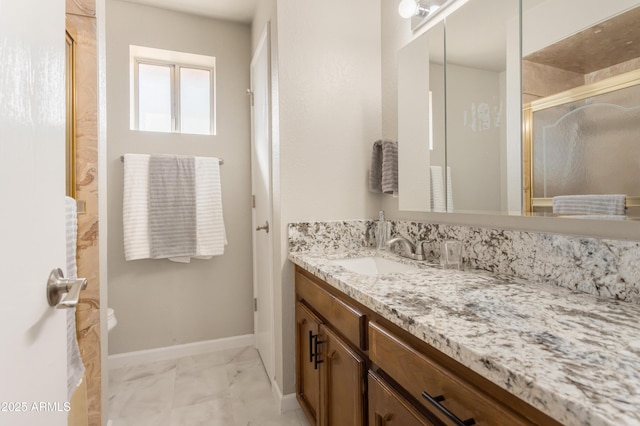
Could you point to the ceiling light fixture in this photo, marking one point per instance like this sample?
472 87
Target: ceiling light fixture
410 8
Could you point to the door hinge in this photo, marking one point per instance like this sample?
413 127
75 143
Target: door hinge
255 304
250 94
253 201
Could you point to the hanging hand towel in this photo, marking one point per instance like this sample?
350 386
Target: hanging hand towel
135 207
383 172
172 206
211 235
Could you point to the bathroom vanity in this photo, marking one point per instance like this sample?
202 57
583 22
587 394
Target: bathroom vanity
442 347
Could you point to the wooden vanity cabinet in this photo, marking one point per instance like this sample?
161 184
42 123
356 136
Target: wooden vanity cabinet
350 359
330 366
329 384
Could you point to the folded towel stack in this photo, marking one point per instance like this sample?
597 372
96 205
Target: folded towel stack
449 191
437 190
608 204
383 173
172 208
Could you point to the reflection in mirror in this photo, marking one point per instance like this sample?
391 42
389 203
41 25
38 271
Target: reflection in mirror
421 129
582 108
482 79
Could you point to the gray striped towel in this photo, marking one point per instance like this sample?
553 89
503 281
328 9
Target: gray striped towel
607 204
383 173
172 206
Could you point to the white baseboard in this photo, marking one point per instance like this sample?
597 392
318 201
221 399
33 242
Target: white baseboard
285 402
171 352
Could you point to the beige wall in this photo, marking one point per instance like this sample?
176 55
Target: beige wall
160 303
473 151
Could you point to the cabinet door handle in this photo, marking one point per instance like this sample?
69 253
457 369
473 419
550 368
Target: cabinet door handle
316 358
436 400
313 349
382 420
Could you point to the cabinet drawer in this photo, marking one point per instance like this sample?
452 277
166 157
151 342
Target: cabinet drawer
419 374
345 319
388 408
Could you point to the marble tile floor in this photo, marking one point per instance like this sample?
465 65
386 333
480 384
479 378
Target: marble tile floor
224 388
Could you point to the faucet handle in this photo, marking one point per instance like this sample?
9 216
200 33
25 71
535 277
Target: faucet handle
420 249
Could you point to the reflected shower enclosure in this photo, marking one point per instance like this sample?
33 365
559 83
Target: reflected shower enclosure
585 141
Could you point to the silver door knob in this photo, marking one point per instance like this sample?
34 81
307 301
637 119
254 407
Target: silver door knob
57 285
264 227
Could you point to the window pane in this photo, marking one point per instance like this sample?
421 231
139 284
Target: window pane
154 98
195 101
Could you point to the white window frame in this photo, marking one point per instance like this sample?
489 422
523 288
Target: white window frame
175 61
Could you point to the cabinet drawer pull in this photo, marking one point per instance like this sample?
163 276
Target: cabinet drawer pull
311 346
436 400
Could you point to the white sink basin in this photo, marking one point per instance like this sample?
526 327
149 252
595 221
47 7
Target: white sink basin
374 265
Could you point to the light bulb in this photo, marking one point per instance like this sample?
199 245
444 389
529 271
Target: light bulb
408 8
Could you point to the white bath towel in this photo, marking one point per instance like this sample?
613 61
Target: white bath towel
606 204
135 207
437 189
211 235
75 367
449 191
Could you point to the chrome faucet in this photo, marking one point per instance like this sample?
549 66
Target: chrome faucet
420 251
408 248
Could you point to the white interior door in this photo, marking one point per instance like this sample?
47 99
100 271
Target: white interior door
262 211
32 185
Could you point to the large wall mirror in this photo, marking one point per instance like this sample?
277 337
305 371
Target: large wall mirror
579 95
421 123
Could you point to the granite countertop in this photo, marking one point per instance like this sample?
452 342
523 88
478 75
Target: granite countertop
574 356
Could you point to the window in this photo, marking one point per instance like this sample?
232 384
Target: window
172 91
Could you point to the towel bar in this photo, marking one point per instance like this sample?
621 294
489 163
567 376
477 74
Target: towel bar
219 159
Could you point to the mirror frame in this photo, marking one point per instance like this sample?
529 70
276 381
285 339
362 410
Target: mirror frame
70 94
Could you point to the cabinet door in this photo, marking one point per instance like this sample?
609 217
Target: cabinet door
342 382
388 408
307 371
